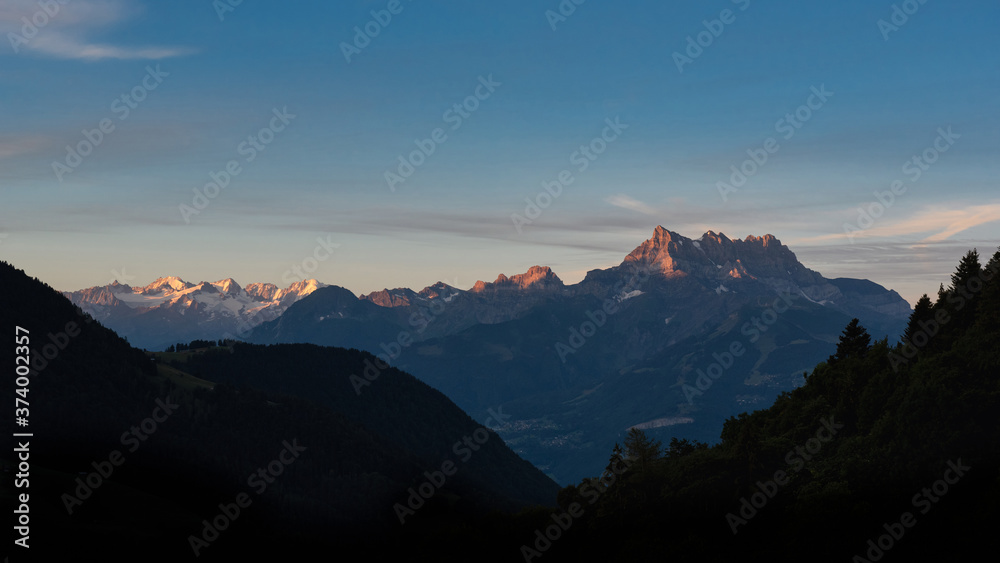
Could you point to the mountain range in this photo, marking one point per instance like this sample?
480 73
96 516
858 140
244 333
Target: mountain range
823 471
171 310
648 343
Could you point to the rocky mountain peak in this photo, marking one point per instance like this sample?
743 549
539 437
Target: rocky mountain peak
765 241
715 257
166 285
660 250
205 287
228 286
716 238
304 287
440 289
536 278
262 291
399 297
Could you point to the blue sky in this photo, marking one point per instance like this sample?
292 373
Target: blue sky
926 87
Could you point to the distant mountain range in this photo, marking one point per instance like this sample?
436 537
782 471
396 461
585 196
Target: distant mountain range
171 310
651 342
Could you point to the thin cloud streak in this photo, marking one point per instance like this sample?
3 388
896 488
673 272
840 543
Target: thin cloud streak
63 34
626 202
943 223
66 47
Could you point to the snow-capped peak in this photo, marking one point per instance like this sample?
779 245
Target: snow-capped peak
229 286
166 284
299 289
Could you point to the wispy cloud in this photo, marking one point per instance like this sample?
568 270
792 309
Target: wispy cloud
66 33
936 223
956 221
626 202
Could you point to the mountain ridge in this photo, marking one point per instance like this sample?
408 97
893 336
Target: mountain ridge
619 347
170 310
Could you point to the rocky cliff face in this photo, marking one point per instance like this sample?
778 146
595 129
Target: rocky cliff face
725 264
716 256
540 278
103 296
399 297
405 297
262 291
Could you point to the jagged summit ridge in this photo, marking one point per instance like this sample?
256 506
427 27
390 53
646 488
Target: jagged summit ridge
716 256
536 278
404 296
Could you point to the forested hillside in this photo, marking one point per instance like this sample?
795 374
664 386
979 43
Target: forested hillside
887 451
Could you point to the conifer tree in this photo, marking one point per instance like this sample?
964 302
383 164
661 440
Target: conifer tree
641 450
615 463
963 295
922 311
854 343
988 322
968 268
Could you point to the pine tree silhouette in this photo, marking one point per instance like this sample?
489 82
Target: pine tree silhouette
854 343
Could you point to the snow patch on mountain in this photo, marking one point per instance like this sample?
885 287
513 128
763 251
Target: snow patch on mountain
629 295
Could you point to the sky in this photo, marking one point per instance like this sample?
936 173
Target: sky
397 143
